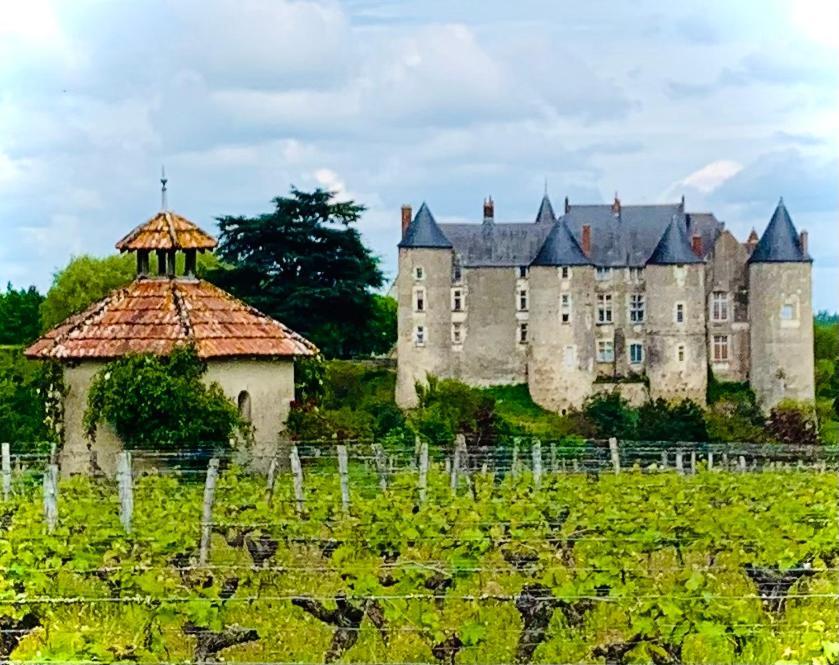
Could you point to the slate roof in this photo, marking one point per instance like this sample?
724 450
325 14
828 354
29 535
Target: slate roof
561 249
674 246
780 242
627 239
545 215
166 230
152 315
424 232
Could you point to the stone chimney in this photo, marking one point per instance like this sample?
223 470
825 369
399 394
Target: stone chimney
696 244
802 237
751 241
489 210
406 218
616 206
586 243
567 205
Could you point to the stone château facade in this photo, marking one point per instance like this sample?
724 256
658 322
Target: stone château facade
642 298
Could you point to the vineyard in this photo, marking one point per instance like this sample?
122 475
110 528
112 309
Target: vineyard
714 566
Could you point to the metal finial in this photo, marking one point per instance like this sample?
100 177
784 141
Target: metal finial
163 181
546 185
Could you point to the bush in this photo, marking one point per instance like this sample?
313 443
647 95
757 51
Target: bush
660 420
23 391
793 422
610 415
161 403
523 417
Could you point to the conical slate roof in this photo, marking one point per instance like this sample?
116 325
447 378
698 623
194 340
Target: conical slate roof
673 248
424 232
546 212
780 242
561 249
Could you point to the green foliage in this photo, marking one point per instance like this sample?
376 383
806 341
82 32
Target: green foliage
826 348
346 399
382 326
793 422
161 403
20 319
448 407
22 402
304 263
526 418
87 279
661 420
653 561
611 415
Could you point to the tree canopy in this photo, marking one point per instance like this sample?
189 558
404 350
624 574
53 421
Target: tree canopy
20 320
304 263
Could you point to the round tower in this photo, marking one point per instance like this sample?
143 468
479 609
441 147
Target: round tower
781 314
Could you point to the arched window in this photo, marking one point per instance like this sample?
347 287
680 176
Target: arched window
244 402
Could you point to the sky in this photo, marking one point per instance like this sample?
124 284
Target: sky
731 104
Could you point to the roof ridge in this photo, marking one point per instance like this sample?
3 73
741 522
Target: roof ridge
173 236
181 309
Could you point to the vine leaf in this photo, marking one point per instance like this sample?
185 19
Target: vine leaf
209 643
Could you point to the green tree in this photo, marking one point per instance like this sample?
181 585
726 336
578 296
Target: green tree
383 324
162 403
611 415
304 264
21 402
20 320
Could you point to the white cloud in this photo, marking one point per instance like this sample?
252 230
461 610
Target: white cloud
712 175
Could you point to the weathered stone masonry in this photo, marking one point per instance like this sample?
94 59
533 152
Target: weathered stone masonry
639 298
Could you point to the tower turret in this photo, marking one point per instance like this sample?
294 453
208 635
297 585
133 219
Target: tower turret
781 314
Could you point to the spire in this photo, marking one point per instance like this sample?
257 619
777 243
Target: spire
561 249
674 247
546 211
424 232
780 242
163 180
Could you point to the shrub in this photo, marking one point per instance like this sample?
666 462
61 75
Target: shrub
23 390
523 417
161 403
793 422
610 415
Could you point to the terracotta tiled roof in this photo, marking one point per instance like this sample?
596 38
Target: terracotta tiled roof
153 315
166 230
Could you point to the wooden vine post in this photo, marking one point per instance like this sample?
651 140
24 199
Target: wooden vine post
680 464
7 471
693 462
272 477
455 468
536 452
381 465
514 466
615 453
207 512
423 471
344 477
51 497
125 483
297 478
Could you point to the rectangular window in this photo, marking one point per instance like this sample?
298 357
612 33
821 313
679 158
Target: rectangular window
457 333
636 353
522 333
679 315
419 300
419 273
565 271
522 299
604 308
457 273
565 308
569 355
605 351
522 272
719 306
457 300
787 312
635 275
636 308
419 335
720 348
680 353
602 274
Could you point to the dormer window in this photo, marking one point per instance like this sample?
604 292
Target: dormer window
602 274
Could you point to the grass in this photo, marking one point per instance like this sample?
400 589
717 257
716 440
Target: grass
514 404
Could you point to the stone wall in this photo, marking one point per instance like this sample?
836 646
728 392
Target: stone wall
416 361
781 348
269 385
561 360
727 272
676 352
